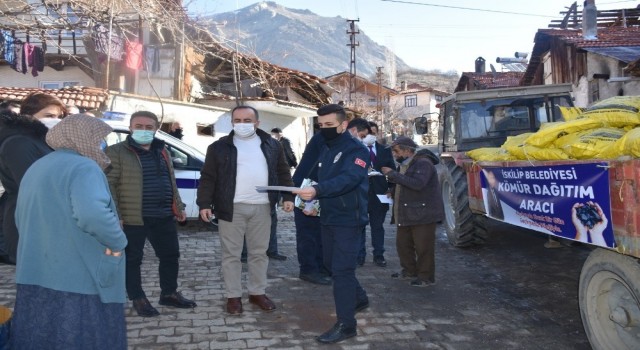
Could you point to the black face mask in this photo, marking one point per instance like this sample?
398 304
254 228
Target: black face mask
329 133
401 159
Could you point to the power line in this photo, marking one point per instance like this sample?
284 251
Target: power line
469 8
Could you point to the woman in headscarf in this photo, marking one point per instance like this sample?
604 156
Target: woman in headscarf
22 142
70 272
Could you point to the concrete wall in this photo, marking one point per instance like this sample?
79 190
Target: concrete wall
598 64
9 77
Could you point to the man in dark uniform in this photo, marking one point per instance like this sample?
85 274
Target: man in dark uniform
342 190
308 236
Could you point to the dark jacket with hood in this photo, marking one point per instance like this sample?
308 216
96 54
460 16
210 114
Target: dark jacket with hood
22 142
420 197
218 175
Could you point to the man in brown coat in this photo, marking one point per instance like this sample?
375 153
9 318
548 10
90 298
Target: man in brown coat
417 207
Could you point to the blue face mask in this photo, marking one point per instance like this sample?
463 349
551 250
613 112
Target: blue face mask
143 137
103 145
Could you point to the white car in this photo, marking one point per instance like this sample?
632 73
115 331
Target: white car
187 162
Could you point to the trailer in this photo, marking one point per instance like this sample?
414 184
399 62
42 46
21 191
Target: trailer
593 202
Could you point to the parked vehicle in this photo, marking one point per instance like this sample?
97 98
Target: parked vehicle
594 202
187 162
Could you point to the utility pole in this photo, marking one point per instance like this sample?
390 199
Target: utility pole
379 116
352 44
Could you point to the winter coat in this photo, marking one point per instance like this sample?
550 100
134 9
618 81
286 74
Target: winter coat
308 166
420 200
66 222
22 142
217 186
125 180
343 182
288 152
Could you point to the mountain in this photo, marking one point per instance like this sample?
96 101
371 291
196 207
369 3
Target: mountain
300 39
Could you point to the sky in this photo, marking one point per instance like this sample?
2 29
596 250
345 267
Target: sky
436 34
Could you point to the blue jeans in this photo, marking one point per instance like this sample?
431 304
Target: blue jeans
377 214
340 249
163 236
308 243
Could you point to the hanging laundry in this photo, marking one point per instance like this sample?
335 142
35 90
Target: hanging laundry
152 59
18 51
28 54
105 48
9 54
2 43
37 61
134 55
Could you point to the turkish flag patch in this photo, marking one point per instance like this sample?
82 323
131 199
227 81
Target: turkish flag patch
361 162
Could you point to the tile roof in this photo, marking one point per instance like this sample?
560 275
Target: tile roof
607 37
83 97
489 80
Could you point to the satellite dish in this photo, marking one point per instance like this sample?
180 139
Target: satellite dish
493 71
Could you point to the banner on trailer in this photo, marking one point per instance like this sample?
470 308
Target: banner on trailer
569 201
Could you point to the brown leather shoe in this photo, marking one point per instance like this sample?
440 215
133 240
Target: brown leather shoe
263 302
234 306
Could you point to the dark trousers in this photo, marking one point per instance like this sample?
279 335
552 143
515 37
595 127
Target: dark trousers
9 229
308 243
273 239
416 250
3 246
377 214
163 236
340 249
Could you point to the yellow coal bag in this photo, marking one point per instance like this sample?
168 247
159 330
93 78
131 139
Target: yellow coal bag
627 145
549 132
516 146
630 103
617 111
543 153
489 154
588 144
570 113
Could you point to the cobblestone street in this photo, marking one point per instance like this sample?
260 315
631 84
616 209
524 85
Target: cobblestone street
510 294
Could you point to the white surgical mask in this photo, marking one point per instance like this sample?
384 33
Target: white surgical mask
369 140
244 129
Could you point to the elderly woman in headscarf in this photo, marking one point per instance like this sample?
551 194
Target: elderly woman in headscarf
70 272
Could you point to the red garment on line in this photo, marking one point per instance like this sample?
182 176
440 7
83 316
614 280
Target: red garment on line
134 55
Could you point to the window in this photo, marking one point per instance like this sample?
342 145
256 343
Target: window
438 98
411 100
64 13
57 84
594 91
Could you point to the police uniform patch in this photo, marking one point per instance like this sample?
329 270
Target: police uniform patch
335 160
361 162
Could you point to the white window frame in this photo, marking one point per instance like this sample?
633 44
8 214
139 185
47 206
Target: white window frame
58 84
